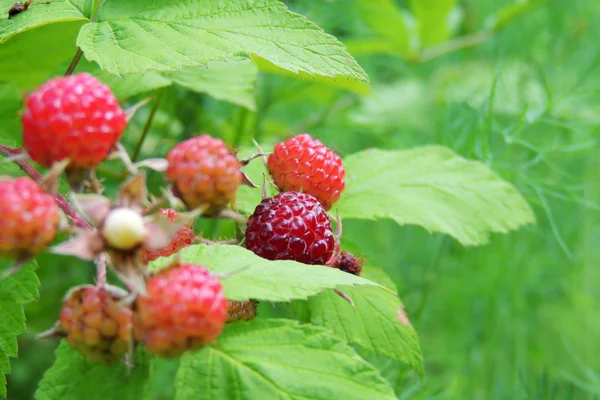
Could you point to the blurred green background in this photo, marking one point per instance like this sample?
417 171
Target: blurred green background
514 84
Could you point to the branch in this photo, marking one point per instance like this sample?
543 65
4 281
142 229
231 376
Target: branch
38 178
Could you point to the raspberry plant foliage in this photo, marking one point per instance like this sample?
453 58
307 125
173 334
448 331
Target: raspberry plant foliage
319 349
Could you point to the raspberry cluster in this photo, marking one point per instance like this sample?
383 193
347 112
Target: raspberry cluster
181 308
184 309
306 165
204 173
97 324
75 117
291 226
30 217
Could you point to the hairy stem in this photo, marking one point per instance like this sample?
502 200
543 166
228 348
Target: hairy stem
38 178
101 270
147 126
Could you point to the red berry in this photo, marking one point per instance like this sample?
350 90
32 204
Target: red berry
30 217
97 324
304 164
348 263
75 117
183 238
241 310
184 309
291 226
204 172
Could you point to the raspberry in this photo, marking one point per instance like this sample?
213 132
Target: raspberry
306 165
184 309
348 263
96 324
291 226
205 173
30 217
241 310
75 117
183 238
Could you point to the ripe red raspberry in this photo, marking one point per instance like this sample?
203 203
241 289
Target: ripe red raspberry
204 172
29 217
241 310
304 164
348 263
184 309
291 226
75 117
97 324
183 238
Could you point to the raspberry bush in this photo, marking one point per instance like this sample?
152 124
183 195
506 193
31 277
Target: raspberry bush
184 246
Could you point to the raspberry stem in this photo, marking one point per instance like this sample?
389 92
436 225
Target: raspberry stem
147 126
37 177
101 270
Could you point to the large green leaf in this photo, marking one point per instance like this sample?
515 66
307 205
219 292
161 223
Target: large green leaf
257 278
376 323
278 359
435 188
15 290
40 14
135 36
434 19
10 104
73 377
232 81
30 58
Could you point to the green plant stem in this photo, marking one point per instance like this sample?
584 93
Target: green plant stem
147 126
430 275
74 62
239 134
462 42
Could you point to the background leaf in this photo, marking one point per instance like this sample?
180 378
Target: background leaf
73 377
434 18
280 359
42 14
15 290
434 188
260 279
135 36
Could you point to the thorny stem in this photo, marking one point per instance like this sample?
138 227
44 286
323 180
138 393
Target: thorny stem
37 177
147 126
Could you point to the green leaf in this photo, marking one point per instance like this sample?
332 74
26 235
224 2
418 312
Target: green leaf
434 18
435 188
10 124
389 21
32 57
377 322
135 36
278 359
511 12
15 291
339 81
73 377
40 14
232 81
260 279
